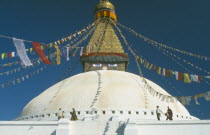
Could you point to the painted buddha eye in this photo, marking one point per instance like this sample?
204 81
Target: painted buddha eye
97 65
112 65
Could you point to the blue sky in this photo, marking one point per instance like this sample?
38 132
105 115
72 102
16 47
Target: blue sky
181 24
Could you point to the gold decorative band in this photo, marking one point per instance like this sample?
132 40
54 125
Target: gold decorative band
106 13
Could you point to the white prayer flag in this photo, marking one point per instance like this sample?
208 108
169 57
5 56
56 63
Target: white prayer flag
81 51
67 53
21 51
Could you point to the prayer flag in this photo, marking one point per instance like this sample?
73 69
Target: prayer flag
196 101
167 73
207 96
10 54
159 70
164 72
81 51
186 78
195 78
200 95
13 54
182 100
50 56
155 68
31 49
20 47
150 66
2 55
40 52
58 57
67 53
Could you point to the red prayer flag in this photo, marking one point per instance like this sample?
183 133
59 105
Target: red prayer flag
40 52
179 76
10 54
155 69
199 79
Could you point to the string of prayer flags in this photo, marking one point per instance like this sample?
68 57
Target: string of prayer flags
35 62
80 32
185 61
157 94
187 78
186 100
179 76
152 42
40 52
14 54
22 78
20 47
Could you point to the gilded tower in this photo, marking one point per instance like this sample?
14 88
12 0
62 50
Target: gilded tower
104 48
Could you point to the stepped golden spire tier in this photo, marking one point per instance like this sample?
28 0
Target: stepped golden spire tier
104 50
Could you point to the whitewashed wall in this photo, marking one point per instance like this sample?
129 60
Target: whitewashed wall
169 128
105 127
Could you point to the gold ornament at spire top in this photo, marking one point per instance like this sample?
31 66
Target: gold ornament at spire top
105 9
104 4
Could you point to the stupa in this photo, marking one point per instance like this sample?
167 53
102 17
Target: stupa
108 100
105 88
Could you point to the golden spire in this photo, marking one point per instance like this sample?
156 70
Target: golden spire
104 48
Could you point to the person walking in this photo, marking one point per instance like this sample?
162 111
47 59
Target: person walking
169 114
158 112
74 115
60 114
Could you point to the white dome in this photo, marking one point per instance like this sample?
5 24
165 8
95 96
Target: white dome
118 90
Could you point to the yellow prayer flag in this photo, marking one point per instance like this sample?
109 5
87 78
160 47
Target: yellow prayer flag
3 56
199 95
186 78
31 49
150 66
159 71
58 59
140 59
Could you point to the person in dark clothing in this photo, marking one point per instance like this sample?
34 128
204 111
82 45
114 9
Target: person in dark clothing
169 114
74 115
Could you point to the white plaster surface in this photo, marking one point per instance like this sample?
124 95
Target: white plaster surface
118 90
169 128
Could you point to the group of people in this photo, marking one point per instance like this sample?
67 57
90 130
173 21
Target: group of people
168 114
73 114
